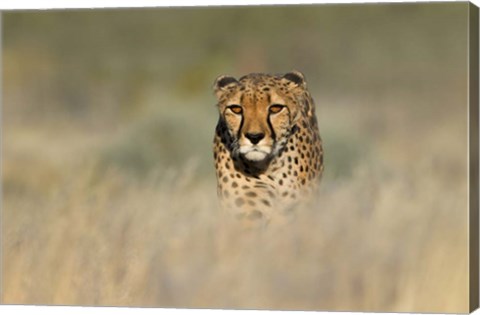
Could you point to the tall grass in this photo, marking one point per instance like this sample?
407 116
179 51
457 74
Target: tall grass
391 235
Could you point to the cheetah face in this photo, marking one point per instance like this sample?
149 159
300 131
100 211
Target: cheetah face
259 112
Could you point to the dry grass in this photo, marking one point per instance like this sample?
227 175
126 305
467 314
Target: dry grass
391 235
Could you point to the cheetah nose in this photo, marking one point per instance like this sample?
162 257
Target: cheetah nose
255 137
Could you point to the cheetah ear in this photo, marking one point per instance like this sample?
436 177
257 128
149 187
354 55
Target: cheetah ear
297 78
222 83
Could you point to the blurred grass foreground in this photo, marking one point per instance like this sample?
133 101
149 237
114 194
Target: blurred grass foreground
108 183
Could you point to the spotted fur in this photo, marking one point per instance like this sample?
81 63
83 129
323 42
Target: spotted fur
267 147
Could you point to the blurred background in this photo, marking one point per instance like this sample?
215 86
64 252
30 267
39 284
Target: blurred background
109 191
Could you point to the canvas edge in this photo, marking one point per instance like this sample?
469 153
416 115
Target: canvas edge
1 162
473 156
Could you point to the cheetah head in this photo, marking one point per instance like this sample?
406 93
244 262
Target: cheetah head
259 112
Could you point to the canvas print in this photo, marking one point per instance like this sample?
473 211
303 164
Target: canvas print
300 157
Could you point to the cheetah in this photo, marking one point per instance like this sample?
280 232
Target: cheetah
267 147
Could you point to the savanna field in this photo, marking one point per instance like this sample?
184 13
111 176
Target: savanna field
108 181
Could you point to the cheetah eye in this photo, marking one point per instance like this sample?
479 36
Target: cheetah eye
276 108
237 109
